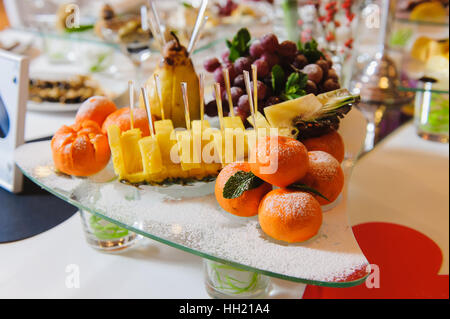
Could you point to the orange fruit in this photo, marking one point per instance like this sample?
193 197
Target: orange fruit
96 108
325 175
245 205
80 149
121 118
331 143
279 160
290 215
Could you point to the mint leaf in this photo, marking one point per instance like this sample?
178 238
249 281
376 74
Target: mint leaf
240 182
278 77
306 188
295 86
234 54
310 50
240 44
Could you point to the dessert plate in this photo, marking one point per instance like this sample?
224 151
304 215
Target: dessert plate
189 218
116 89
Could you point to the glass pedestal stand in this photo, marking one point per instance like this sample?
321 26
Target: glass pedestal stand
228 282
106 236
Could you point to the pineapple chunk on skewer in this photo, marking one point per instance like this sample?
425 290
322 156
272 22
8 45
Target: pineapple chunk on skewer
185 147
164 129
131 154
114 135
151 157
261 121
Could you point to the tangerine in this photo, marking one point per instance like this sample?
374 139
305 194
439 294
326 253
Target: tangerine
95 108
80 149
331 143
289 215
324 175
245 205
121 118
279 160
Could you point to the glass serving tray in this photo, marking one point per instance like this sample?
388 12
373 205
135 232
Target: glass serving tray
189 218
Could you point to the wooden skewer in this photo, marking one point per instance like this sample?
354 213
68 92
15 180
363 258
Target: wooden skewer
131 97
157 23
255 88
144 92
186 105
159 93
250 98
219 105
199 23
205 19
226 76
144 18
201 85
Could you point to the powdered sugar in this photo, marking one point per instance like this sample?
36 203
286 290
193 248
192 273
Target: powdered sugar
189 217
323 164
292 204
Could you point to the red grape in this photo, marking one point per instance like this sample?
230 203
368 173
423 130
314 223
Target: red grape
243 104
242 64
211 108
262 89
256 49
225 56
330 85
324 65
225 107
314 72
271 59
270 42
236 93
241 113
218 76
232 73
311 87
211 65
287 49
239 81
300 61
263 67
332 75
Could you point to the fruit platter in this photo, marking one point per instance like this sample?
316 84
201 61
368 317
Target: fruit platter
256 178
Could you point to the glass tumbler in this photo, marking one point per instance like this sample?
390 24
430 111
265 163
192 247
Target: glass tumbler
228 282
104 235
431 114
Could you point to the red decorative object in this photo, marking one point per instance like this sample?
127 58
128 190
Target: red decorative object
408 264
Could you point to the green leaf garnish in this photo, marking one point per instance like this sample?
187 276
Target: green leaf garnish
240 44
187 5
278 78
240 182
310 50
295 86
306 188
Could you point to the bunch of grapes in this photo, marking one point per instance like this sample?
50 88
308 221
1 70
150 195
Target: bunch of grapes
265 53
